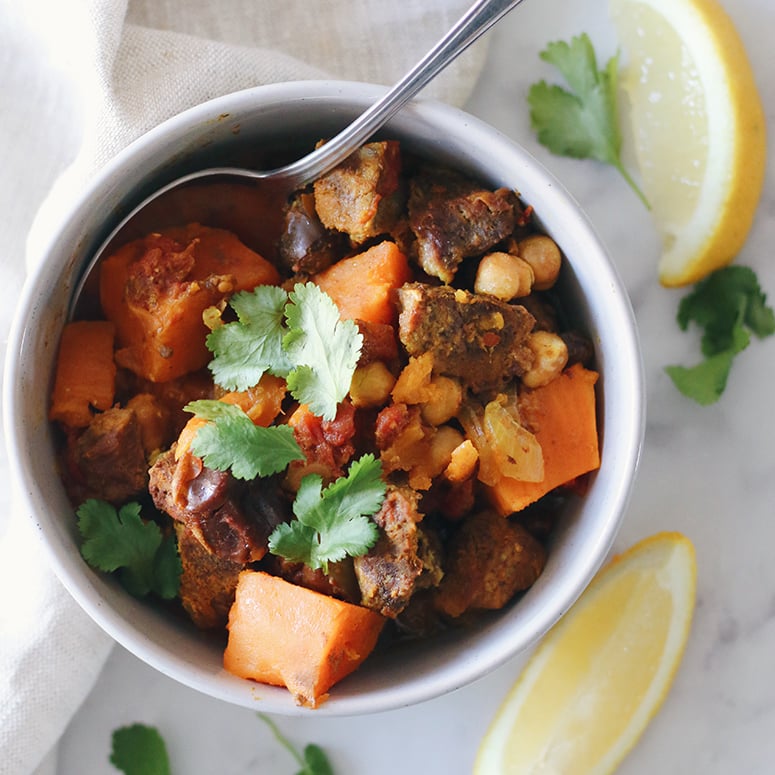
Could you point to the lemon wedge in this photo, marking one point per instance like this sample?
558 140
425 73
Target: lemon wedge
697 126
600 675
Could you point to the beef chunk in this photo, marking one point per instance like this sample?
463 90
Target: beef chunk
489 559
454 218
231 518
389 572
207 582
362 197
339 581
108 460
306 246
477 338
379 342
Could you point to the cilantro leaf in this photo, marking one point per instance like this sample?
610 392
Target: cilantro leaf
323 348
582 123
231 441
121 541
139 750
729 306
314 761
332 523
246 348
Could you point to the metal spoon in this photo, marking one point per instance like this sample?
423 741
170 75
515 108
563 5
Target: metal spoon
482 15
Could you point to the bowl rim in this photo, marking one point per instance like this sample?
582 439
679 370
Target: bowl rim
623 448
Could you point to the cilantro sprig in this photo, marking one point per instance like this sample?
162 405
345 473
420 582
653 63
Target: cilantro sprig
312 762
231 441
582 122
297 335
139 750
334 522
145 559
729 306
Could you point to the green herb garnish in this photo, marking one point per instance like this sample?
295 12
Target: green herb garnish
298 336
582 123
146 560
334 522
729 306
231 441
313 762
252 345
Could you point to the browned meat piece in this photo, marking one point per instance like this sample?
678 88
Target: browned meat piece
580 348
231 518
339 582
207 583
107 460
389 573
172 395
379 342
544 313
362 197
454 218
477 338
489 560
306 246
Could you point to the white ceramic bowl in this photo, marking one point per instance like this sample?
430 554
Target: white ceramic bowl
221 131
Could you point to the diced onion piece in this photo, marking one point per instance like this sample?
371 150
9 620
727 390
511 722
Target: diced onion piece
517 453
471 418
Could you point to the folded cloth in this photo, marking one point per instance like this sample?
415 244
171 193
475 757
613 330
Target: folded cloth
127 66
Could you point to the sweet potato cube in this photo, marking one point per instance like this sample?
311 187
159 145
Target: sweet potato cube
362 286
155 290
286 635
564 418
85 374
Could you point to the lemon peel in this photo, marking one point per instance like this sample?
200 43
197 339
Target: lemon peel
698 129
596 680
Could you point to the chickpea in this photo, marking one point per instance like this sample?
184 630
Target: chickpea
371 385
504 276
443 443
551 357
447 397
544 257
462 463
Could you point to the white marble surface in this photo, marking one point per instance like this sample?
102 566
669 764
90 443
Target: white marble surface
707 472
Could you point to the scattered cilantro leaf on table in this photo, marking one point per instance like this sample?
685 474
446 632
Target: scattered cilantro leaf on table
729 306
139 750
332 523
314 760
298 336
146 560
582 123
231 441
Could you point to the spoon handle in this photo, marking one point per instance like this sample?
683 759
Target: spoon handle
482 15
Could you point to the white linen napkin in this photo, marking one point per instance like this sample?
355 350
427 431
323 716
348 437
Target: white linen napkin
102 72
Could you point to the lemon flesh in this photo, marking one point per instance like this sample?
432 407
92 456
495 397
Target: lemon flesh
697 126
601 674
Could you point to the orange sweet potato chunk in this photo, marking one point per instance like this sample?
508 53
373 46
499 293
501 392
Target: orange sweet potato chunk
286 635
155 289
85 374
362 286
563 415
